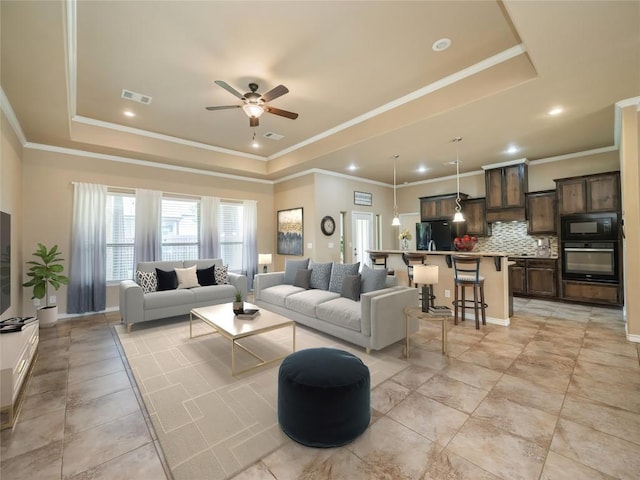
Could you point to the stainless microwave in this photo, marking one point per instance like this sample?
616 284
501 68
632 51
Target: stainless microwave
589 227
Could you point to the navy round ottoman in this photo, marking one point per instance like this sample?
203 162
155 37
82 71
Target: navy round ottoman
323 397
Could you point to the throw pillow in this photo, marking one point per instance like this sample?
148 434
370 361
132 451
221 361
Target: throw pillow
147 280
320 275
187 277
373 279
291 267
206 276
302 279
222 275
351 287
167 280
338 271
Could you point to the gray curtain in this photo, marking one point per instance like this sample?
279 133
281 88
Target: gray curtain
148 243
250 244
209 245
87 290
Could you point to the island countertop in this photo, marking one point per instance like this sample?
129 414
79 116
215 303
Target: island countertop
445 252
494 267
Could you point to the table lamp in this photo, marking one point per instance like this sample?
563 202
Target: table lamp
264 259
427 276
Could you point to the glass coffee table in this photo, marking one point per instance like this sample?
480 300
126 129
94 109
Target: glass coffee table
223 321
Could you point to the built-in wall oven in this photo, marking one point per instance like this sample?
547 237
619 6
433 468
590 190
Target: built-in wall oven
597 261
590 247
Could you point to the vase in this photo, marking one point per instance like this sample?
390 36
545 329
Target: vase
404 244
238 307
47 316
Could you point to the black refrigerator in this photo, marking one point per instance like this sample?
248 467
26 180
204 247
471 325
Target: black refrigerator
436 235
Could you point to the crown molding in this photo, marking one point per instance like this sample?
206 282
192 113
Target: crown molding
144 163
617 120
440 84
11 117
163 137
507 163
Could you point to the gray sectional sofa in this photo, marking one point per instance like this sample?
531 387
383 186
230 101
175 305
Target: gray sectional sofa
374 321
137 306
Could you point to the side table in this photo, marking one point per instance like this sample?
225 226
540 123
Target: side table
416 312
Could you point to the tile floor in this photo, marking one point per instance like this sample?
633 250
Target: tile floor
555 395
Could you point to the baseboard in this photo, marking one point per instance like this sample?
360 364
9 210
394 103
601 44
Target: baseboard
62 316
505 322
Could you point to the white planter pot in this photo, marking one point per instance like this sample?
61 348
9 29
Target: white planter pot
48 316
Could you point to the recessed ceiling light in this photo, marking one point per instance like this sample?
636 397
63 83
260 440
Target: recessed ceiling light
556 111
129 113
352 167
512 149
422 169
440 45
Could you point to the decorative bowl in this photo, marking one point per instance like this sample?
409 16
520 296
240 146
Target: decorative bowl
465 244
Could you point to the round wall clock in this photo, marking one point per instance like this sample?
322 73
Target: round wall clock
327 225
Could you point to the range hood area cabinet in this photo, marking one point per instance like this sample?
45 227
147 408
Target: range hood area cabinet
589 193
506 187
439 207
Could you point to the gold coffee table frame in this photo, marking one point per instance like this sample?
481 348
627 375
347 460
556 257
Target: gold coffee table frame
416 312
223 321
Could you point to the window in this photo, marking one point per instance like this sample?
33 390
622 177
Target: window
231 234
180 227
121 219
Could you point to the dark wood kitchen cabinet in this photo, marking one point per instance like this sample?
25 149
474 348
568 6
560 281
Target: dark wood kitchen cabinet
534 277
439 207
476 218
590 292
517 279
541 212
506 188
542 277
589 193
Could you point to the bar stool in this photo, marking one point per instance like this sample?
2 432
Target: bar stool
411 259
380 260
467 274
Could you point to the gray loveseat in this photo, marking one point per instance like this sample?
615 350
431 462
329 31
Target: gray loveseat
137 306
374 321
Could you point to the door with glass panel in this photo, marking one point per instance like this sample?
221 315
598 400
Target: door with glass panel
363 237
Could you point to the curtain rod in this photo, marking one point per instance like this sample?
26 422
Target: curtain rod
133 189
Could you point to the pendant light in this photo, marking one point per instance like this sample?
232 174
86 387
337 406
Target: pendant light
458 217
396 218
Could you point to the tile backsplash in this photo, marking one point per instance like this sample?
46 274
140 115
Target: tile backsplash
512 238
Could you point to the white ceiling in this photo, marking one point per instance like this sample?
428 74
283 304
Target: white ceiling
362 76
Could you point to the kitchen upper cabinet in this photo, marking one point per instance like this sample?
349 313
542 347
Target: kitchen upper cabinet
475 217
439 207
587 194
541 212
506 188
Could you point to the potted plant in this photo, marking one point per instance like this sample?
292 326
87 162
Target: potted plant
238 305
47 272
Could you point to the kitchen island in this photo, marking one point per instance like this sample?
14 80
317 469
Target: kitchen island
493 267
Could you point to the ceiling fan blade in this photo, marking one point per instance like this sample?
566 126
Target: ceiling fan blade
230 89
224 107
254 121
274 93
282 113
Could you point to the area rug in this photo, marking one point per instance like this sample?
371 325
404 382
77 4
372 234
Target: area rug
209 423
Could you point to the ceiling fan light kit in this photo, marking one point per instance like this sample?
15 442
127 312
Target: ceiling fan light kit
254 103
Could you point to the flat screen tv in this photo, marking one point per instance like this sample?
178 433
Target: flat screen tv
5 261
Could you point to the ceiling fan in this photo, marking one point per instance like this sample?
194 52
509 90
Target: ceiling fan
254 103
